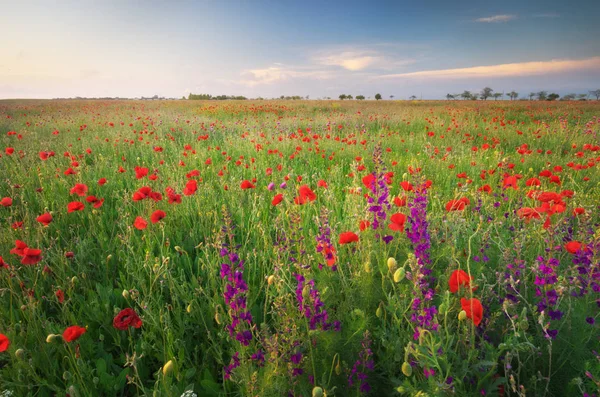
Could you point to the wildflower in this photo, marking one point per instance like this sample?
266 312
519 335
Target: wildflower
4 343
73 333
473 309
127 318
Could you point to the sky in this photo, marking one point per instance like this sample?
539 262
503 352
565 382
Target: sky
309 48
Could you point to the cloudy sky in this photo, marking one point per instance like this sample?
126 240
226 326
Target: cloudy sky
316 48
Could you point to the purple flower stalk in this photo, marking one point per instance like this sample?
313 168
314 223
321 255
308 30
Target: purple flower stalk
358 374
311 305
379 202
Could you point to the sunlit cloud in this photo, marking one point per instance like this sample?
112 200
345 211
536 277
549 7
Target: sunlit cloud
504 70
357 59
279 73
497 18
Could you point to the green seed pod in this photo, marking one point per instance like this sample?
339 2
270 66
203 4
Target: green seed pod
392 264
306 292
462 315
317 392
524 324
399 275
74 279
379 311
442 308
338 368
66 375
20 353
406 369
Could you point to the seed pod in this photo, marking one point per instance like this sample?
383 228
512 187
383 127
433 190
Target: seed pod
74 279
379 311
462 315
406 369
317 392
392 264
399 275
125 294
338 368
168 368
20 353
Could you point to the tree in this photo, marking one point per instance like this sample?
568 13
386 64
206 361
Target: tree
360 97
582 97
391 97
531 95
349 96
595 93
412 97
378 96
513 95
449 96
542 95
568 97
475 97
466 95
497 95
342 97
554 96
486 93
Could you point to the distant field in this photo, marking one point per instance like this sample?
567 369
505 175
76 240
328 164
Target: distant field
275 248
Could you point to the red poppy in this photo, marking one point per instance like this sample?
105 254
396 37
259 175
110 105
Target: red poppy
73 333
79 189
75 206
398 221
140 172
400 201
44 219
157 216
406 186
322 183
60 295
190 187
578 211
277 199
31 256
363 225
246 184
4 343
473 308
457 279
457 205
348 237
19 248
140 223
369 181
127 318
574 246
101 181
6 202
305 194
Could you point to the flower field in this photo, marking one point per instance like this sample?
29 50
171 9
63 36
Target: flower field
299 248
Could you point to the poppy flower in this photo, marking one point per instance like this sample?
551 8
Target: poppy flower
4 343
3 264
277 199
348 237
19 248
6 202
157 216
369 181
44 219
79 189
75 206
398 221
246 184
457 279
127 318
574 246
60 295
406 186
400 201
322 183
457 205
363 225
101 181
578 211
190 187
140 223
473 308
31 256
73 333
305 194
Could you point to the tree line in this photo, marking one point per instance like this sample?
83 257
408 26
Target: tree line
487 92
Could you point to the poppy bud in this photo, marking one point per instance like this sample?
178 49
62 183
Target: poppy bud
317 392
189 308
401 389
125 294
74 279
51 338
20 353
66 375
406 369
442 308
392 264
271 279
168 368
338 368
218 318
109 257
379 311
399 275
462 315
524 324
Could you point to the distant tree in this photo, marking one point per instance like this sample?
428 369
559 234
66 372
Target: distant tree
531 95
466 95
513 95
554 96
595 93
360 97
342 97
582 97
449 96
475 97
486 93
497 95
542 95
378 96
391 97
349 96
183 97
568 97
412 97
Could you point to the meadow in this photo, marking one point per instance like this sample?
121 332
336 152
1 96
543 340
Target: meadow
299 248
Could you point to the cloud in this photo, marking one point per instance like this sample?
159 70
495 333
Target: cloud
547 15
497 18
357 59
276 74
504 70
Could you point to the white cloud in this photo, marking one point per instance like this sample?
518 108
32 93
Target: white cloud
356 59
504 70
276 74
497 18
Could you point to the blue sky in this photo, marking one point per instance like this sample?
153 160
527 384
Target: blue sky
315 48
